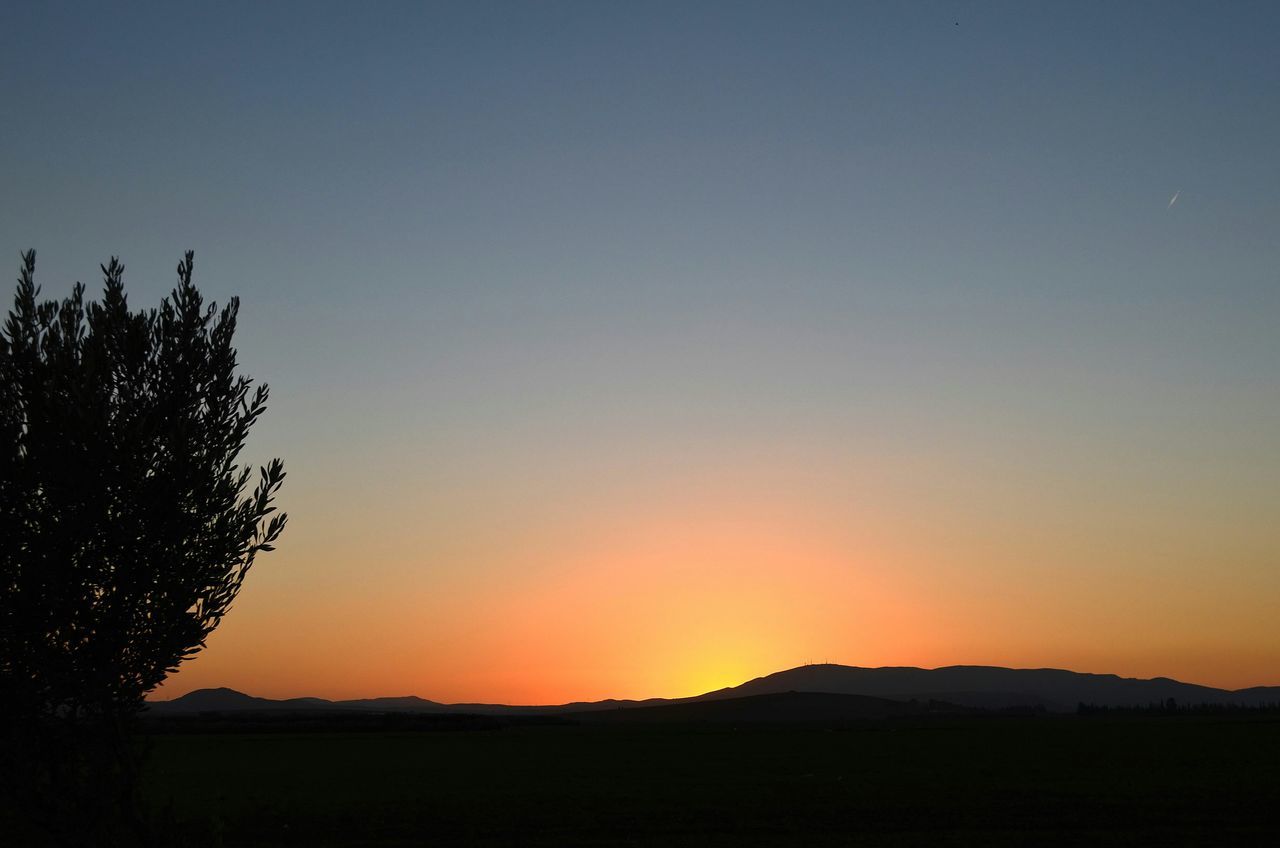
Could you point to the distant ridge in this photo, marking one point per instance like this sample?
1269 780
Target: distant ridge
995 687
229 700
973 687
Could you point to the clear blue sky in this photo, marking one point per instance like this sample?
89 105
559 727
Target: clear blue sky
498 256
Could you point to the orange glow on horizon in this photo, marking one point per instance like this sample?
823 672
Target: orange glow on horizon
675 593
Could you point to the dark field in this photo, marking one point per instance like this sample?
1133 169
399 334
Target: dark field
958 781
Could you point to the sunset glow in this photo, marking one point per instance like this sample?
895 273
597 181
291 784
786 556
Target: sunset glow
619 351
661 587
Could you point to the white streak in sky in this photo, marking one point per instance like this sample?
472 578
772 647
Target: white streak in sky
1173 199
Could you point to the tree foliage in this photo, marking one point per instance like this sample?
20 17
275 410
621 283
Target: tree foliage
126 525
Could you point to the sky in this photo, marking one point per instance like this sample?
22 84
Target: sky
640 349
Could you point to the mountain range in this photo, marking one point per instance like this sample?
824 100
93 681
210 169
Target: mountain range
863 692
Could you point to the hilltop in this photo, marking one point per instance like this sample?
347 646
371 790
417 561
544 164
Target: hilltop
886 691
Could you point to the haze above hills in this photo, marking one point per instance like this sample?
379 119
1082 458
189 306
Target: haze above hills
861 691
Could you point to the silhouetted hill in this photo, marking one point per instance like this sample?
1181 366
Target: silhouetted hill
229 700
992 687
406 704
1258 695
974 687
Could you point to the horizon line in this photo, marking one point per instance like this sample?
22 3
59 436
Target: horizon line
150 700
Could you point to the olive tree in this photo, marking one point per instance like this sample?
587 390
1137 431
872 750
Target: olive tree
126 524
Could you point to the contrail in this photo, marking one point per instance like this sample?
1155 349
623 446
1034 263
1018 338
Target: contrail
1173 199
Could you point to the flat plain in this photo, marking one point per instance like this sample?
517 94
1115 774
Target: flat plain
1044 780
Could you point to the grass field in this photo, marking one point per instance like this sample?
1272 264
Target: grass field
980 781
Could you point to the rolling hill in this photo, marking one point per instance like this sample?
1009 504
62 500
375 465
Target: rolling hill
993 687
973 687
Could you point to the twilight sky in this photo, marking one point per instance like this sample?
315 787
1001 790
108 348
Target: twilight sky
637 349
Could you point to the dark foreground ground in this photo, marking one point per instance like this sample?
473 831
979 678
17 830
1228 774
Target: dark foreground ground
957 781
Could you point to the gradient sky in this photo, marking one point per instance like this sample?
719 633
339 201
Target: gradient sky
637 349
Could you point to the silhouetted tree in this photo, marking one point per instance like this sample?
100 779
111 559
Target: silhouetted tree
126 529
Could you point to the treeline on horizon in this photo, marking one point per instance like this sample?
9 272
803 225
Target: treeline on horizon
1172 707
